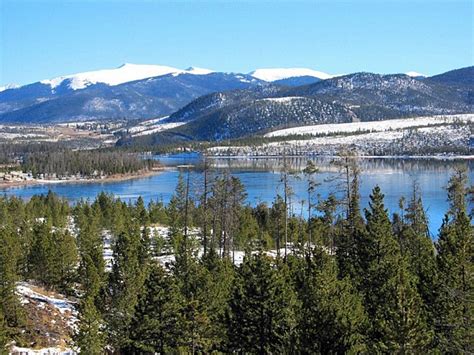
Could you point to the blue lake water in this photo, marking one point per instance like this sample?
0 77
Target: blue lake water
261 177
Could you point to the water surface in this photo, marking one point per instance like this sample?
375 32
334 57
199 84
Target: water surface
261 177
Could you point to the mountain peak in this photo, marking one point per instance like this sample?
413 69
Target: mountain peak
415 74
274 74
8 87
124 73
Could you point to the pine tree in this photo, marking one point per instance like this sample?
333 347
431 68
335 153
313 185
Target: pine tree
456 272
386 287
158 322
262 309
3 334
416 245
10 306
352 229
331 318
90 245
193 282
90 338
125 284
405 329
309 171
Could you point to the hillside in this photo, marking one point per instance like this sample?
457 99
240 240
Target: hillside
150 97
350 98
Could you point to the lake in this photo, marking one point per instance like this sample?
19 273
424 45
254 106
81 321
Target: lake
261 177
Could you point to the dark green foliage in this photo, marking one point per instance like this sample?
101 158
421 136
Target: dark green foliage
10 307
125 284
86 163
455 246
54 257
331 317
90 338
3 334
262 316
157 325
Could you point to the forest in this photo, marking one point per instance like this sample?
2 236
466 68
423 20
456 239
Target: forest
337 279
58 159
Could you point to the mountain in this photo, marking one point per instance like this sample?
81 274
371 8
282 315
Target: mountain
275 74
415 74
348 98
123 74
297 81
8 86
463 76
63 99
146 91
376 97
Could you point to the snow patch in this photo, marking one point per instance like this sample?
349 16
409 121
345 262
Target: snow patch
415 74
8 87
373 126
125 73
273 74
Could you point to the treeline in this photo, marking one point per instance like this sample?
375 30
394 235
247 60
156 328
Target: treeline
50 158
340 280
87 163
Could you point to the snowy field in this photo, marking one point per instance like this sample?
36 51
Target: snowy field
153 126
373 126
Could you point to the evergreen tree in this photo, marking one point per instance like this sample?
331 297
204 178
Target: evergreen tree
194 285
405 329
125 284
10 306
90 338
158 323
417 247
456 272
352 229
386 287
4 340
331 318
54 257
262 308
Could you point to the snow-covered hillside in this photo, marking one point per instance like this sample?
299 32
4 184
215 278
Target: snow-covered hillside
372 126
125 73
8 86
415 74
423 136
274 74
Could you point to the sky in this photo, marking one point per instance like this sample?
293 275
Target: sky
46 38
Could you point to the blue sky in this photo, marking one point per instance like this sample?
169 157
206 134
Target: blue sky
43 39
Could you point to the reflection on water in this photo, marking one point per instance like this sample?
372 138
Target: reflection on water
262 180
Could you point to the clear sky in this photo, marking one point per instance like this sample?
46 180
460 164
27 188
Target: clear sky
43 39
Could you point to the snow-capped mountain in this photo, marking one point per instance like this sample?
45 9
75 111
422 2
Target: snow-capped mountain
9 86
275 74
415 74
123 74
135 91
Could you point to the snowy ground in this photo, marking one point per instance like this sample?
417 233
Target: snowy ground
27 293
53 317
153 126
373 126
416 136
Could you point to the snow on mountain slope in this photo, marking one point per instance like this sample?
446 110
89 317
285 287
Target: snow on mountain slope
125 73
273 74
372 126
8 86
415 74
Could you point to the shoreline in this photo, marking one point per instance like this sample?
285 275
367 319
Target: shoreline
308 156
4 185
